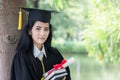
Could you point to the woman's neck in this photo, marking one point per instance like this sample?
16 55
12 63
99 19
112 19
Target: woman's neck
38 46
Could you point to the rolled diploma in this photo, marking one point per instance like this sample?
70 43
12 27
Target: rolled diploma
69 61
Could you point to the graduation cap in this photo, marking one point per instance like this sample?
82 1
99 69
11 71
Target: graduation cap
35 15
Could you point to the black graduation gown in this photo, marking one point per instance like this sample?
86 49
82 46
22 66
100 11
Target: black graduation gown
23 69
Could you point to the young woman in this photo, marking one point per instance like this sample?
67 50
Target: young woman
34 54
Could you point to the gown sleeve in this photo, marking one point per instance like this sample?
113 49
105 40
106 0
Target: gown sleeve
19 69
68 77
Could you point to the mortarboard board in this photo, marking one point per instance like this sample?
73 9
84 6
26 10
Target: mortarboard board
35 15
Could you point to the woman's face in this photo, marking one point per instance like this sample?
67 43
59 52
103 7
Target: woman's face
39 33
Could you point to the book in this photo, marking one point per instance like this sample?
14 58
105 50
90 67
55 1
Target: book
58 71
56 74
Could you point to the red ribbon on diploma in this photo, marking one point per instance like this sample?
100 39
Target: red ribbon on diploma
60 66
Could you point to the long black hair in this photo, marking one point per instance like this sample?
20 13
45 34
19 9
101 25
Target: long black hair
25 44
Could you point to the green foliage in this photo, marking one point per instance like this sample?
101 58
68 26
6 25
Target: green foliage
51 4
58 4
102 35
69 47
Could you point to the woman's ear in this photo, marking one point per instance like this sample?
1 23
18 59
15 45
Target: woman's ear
30 32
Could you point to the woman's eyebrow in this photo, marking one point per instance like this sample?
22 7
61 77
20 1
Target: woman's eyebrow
38 26
41 26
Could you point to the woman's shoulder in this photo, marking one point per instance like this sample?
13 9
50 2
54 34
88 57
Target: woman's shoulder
18 57
54 50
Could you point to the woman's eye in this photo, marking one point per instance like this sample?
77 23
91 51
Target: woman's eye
46 29
37 28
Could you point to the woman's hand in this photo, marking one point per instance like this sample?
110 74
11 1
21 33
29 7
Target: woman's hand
64 78
57 74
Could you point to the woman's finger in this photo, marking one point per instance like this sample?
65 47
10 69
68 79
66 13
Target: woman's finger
64 78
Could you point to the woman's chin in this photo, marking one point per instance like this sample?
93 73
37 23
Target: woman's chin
42 42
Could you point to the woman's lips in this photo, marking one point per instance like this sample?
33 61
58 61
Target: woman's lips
42 38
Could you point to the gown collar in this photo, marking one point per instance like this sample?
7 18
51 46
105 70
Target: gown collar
39 53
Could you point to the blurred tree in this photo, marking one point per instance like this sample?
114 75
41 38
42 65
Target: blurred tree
102 35
33 3
9 34
36 5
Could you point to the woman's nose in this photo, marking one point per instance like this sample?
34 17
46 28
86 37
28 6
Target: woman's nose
42 32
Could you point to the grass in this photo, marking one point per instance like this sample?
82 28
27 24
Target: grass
85 68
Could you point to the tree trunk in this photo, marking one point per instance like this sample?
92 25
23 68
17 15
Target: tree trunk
36 3
9 35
